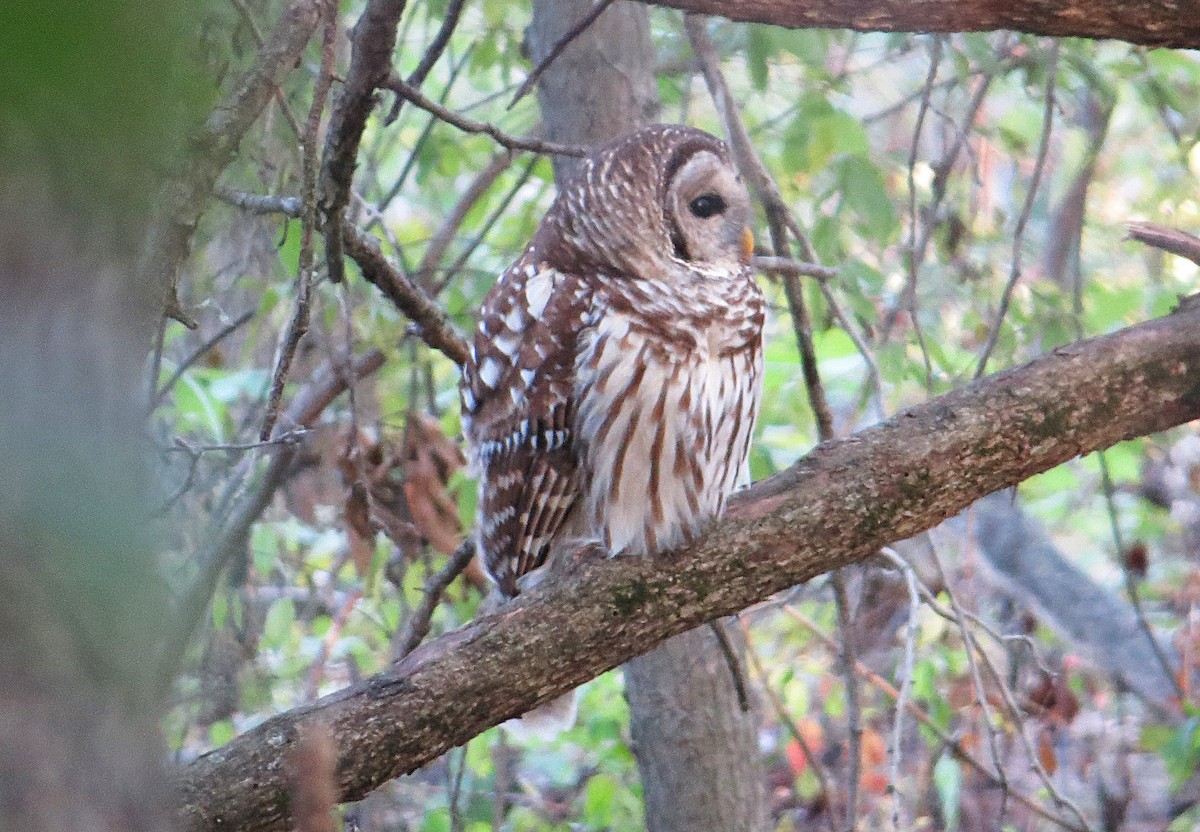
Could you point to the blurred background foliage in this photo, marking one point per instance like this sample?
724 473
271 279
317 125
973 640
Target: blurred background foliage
329 577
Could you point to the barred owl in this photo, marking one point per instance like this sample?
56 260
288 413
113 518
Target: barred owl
616 372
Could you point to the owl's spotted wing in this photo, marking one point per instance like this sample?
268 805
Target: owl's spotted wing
518 415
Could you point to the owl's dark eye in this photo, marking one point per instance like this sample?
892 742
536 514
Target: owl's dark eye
707 205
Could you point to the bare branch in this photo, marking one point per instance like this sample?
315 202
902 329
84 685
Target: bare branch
841 503
297 326
1152 24
225 331
418 623
469 125
485 227
374 39
182 201
327 384
259 203
960 751
1170 240
1014 273
785 265
436 46
575 31
779 218
440 242
431 321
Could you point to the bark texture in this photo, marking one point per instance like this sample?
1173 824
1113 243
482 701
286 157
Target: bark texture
602 85
689 731
837 505
697 751
1148 22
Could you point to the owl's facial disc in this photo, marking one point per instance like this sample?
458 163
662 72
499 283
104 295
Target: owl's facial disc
707 212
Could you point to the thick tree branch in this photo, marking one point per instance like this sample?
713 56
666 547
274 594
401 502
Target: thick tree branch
839 504
1141 21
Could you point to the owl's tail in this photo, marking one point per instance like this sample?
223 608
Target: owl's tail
547 721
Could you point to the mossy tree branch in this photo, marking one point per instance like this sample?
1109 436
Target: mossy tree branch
839 504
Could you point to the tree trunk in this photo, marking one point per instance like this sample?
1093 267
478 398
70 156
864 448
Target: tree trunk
697 751
80 605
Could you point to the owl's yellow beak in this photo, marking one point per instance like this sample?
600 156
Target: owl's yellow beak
747 244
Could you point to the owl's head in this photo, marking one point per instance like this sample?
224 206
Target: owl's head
663 198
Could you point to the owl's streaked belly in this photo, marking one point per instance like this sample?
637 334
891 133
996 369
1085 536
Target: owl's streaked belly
665 431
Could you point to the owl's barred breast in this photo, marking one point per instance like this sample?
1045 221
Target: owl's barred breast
669 386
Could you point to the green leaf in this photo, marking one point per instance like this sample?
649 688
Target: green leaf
278 624
221 732
598 800
759 47
866 195
436 821
834 134
947 778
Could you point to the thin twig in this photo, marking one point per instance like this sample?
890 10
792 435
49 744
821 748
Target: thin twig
1131 585
960 752
440 241
410 164
374 43
291 437
431 321
225 331
941 174
231 530
731 662
436 47
785 265
316 672
422 617
905 672
182 201
298 324
575 31
1026 211
394 83
848 661
971 647
815 763
1035 762
780 221
914 264
259 40
456 821
892 109
501 207
292 206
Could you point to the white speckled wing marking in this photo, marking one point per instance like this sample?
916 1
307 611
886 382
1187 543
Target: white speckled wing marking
518 414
